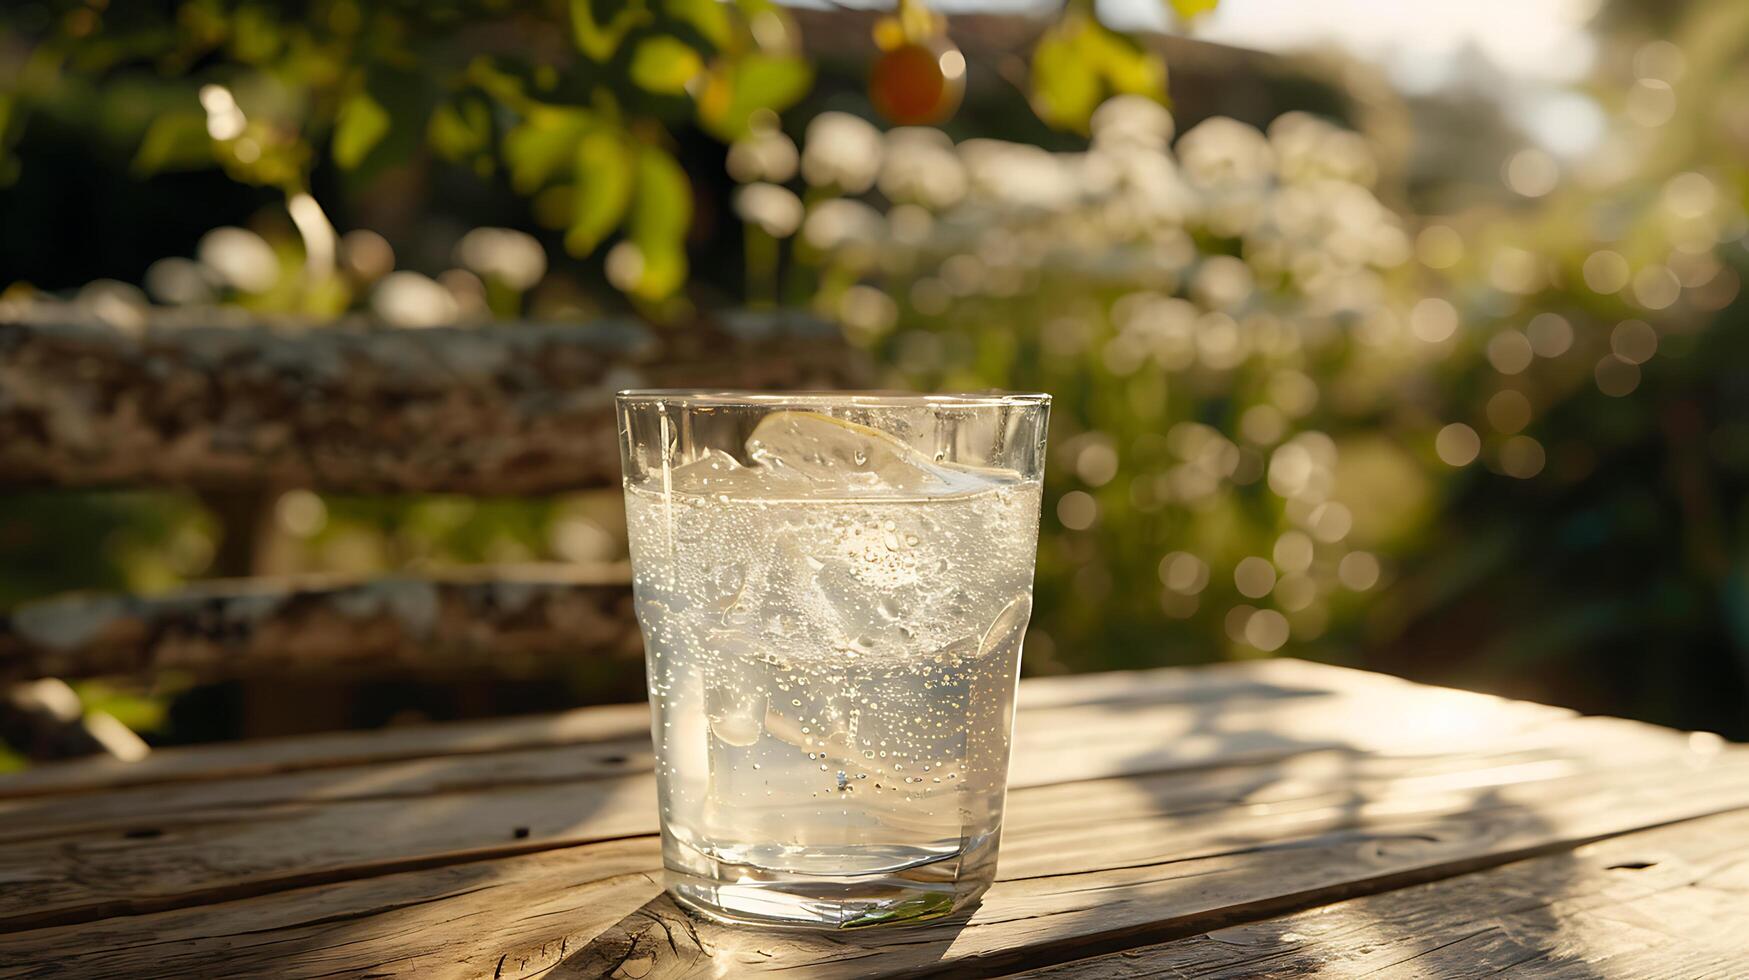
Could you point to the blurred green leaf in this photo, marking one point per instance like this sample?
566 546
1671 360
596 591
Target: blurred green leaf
460 128
388 118
661 214
710 18
604 186
140 712
361 124
1065 89
749 84
256 34
544 142
1126 66
598 39
1079 63
664 65
174 141
1188 10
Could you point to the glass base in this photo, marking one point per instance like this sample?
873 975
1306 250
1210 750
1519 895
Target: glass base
753 895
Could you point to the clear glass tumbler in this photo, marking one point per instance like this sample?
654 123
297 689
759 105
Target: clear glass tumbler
833 590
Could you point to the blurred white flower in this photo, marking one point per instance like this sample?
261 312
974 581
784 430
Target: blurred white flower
843 150
1531 172
320 241
1433 319
1131 121
177 281
579 539
765 154
867 313
1219 345
835 223
1309 148
776 210
512 257
1018 175
1690 195
1515 270
1651 102
1222 282
1222 153
366 255
624 265
224 118
467 290
912 225
1151 189
239 258
408 299
921 167
116 303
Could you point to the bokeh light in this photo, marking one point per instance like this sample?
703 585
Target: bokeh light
1457 444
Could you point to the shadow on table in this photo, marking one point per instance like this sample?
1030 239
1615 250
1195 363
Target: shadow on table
1235 820
1203 867
1206 872
1356 838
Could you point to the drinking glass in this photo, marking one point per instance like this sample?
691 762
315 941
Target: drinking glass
832 589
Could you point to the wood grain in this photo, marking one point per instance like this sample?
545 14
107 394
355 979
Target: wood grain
269 756
216 400
163 847
1219 866
460 921
1178 876
509 616
1218 688
1648 904
1144 812
583 745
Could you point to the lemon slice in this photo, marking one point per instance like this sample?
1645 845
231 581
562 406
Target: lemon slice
825 450
825 447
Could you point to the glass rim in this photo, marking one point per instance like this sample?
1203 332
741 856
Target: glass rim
874 398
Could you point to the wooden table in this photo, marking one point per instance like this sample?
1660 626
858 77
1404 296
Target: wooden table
1271 818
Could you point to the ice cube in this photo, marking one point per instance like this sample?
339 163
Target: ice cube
736 715
865 607
713 472
1008 627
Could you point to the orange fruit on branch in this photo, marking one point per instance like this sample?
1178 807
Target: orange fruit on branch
917 83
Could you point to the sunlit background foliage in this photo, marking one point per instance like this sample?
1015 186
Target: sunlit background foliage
1378 379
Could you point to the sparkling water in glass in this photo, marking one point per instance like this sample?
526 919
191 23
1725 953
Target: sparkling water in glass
833 590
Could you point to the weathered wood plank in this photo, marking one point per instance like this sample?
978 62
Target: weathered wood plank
1649 904
1194 865
1040 761
328 813
509 615
1048 838
466 921
1179 686
337 750
205 854
251 836
554 755
1263 869
1277 677
225 403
